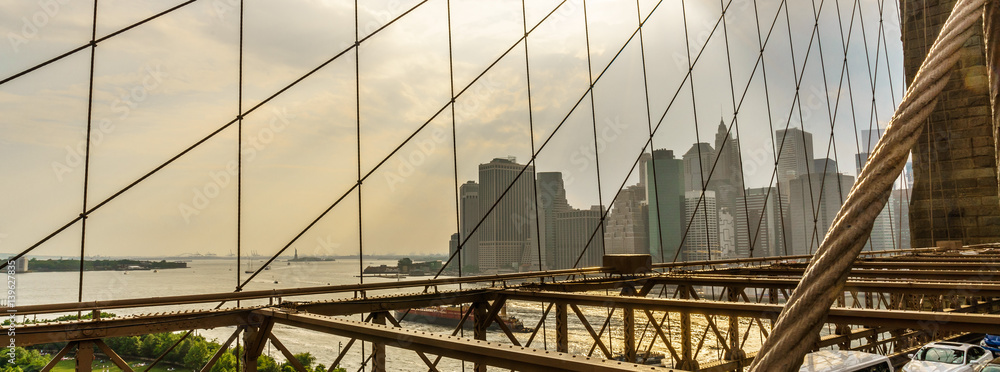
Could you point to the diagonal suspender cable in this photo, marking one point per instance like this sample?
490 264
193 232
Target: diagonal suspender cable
86 158
207 137
826 274
94 42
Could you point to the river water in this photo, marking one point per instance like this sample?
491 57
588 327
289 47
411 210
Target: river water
217 275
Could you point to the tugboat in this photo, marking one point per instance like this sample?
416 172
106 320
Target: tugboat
451 315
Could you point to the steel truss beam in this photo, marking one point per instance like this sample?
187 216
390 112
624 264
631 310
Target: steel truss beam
921 287
941 275
478 351
921 320
33 334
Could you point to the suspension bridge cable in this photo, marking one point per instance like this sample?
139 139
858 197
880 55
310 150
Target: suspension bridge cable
649 125
739 144
770 124
593 120
991 39
86 158
93 42
209 136
361 222
531 134
400 146
239 157
827 272
832 116
799 76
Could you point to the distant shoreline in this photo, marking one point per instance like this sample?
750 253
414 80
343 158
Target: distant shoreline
67 265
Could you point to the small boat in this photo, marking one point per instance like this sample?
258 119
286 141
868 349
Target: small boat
451 315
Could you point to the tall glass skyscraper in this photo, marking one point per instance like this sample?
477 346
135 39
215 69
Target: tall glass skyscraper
665 192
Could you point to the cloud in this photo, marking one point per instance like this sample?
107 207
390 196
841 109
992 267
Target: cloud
404 75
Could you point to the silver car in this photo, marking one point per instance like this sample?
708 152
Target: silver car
948 357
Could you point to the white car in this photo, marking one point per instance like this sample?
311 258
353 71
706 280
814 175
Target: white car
948 357
845 361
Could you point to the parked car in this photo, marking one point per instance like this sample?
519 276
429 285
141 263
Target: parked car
992 366
991 343
948 357
845 361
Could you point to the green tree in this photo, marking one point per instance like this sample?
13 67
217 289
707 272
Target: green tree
305 358
268 364
226 363
196 356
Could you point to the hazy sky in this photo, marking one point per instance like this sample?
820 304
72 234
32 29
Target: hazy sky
164 85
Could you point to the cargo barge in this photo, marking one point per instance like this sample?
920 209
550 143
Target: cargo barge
452 315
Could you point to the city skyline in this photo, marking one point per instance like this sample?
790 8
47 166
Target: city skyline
714 218
156 93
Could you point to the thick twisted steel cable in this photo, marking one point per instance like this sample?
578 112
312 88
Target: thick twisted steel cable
991 40
826 274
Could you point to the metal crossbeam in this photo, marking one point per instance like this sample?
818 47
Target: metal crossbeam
34 334
478 351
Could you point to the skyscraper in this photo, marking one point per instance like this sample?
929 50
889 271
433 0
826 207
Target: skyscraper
551 200
814 200
883 235
644 160
506 229
795 155
901 217
452 246
727 234
759 223
625 230
702 241
469 217
698 162
576 228
727 182
665 193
